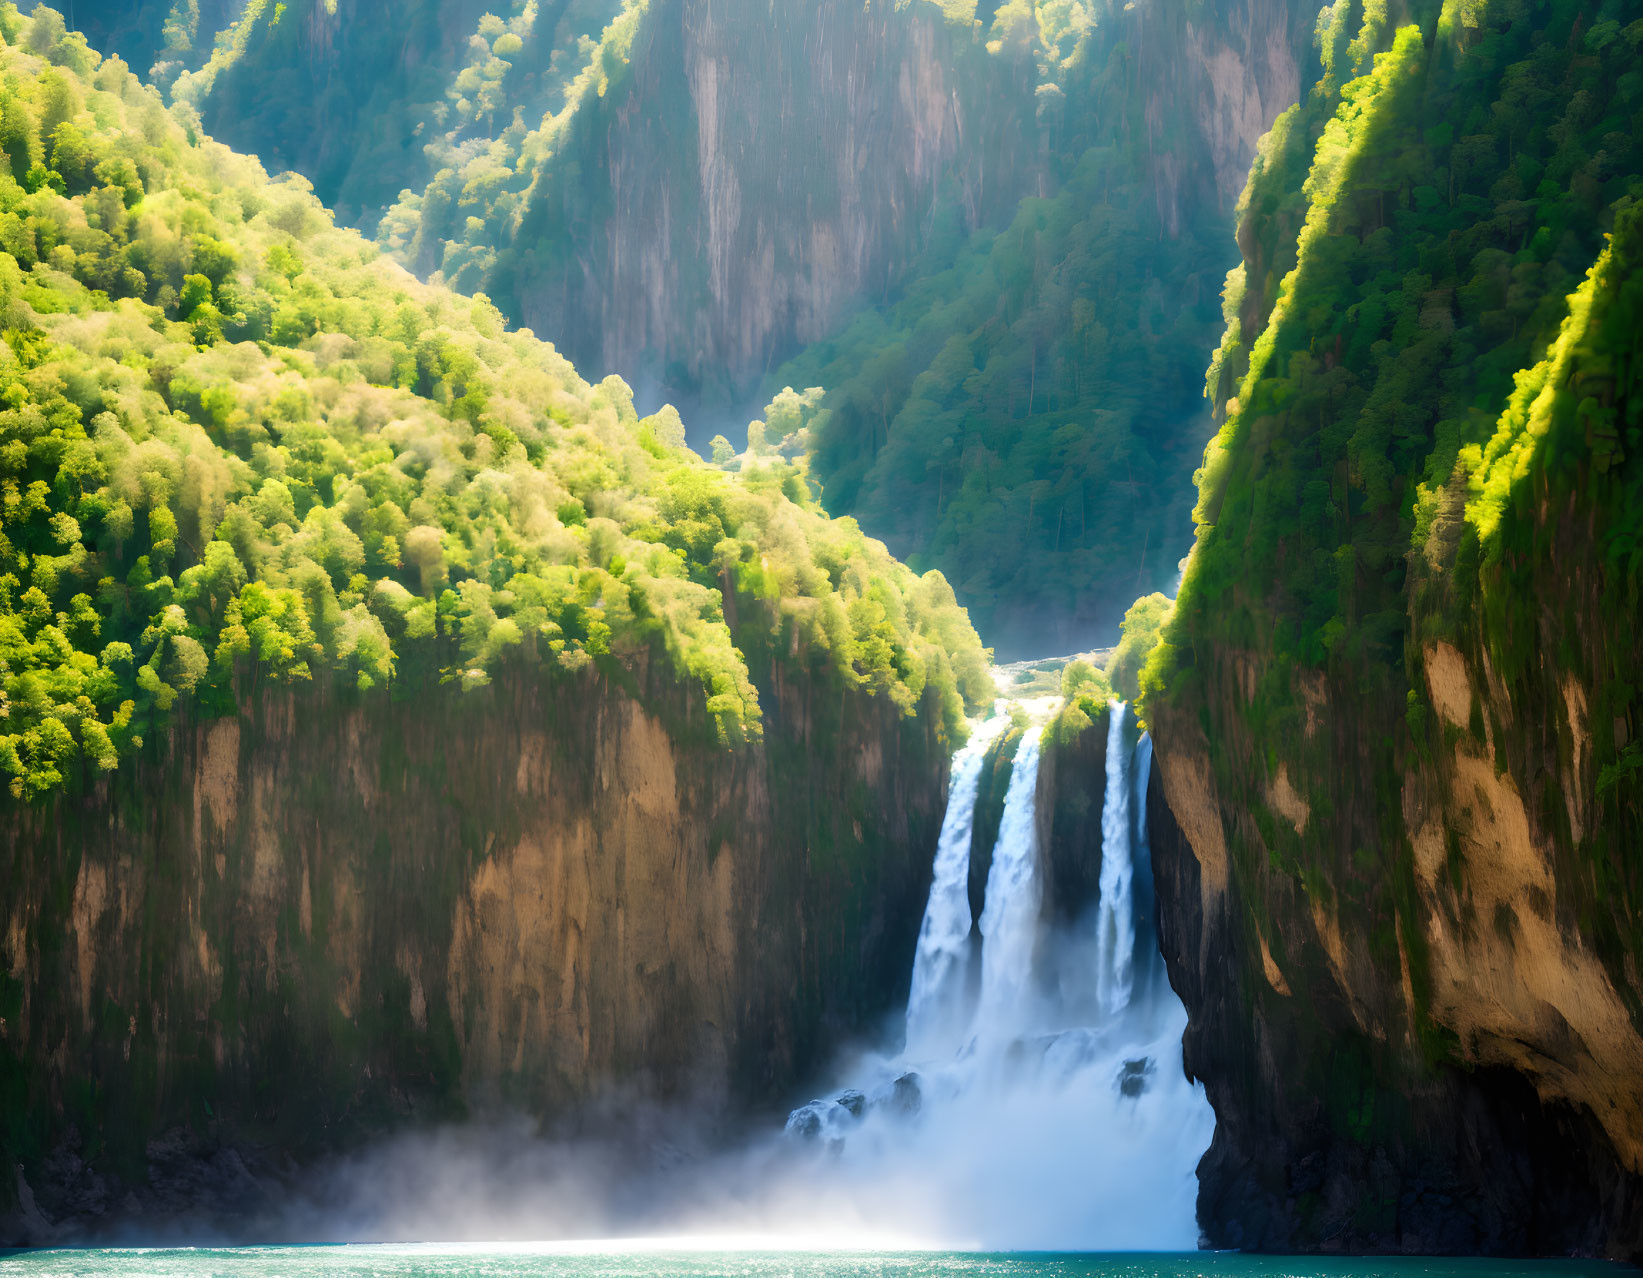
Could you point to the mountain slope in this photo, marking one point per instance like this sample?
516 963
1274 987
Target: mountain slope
1026 412
244 446
1391 710
993 237
396 726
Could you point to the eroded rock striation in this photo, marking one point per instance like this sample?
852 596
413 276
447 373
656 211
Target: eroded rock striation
322 920
1396 817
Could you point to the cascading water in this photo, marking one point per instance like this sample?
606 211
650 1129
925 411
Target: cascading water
1039 1116
1115 925
937 1002
1014 900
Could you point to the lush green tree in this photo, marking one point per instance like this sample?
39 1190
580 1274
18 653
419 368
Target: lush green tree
1081 679
1143 625
240 446
1425 214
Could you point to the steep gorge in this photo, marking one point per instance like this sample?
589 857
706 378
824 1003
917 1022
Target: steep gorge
1395 801
1039 379
993 236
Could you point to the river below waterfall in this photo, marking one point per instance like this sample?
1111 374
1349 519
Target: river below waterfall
673 1260
1039 1100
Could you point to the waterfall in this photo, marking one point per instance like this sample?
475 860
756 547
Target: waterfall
1142 767
1115 923
1038 1117
1015 895
936 1002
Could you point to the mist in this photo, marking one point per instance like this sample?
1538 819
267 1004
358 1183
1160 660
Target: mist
1033 1097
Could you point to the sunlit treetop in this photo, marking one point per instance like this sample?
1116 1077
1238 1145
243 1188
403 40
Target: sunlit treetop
239 446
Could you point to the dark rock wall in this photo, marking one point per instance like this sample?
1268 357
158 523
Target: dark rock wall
1331 1134
327 919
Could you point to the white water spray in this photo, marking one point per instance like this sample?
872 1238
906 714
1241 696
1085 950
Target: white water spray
1115 919
1014 901
938 1001
1040 1118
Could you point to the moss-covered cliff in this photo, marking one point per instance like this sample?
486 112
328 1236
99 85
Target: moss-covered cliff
1395 826
331 917
395 726
1072 787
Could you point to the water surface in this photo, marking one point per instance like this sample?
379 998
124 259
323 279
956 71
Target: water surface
622 1261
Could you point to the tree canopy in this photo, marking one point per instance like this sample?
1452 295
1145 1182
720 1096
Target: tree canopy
240 445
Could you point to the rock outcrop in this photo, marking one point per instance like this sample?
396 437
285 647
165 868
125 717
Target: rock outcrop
1396 818
707 221
1494 1115
291 931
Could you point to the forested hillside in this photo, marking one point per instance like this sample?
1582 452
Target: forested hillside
1027 411
394 725
243 446
367 101
995 237
1395 704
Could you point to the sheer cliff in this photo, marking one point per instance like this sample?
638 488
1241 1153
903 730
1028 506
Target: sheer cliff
325 920
1394 715
704 222
394 725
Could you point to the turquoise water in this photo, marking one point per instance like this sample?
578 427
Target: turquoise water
491 1261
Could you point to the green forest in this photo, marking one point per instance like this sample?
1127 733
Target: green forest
1020 408
241 446
1026 413
1416 273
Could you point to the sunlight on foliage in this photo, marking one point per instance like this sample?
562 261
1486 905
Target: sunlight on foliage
239 446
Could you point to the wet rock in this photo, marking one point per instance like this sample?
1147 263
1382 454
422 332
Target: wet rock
1480 1164
853 1101
1132 1079
26 1223
907 1095
804 1123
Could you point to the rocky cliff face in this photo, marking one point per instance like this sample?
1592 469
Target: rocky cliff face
320 921
1456 1075
1072 787
762 169
1210 82
1396 813
789 196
